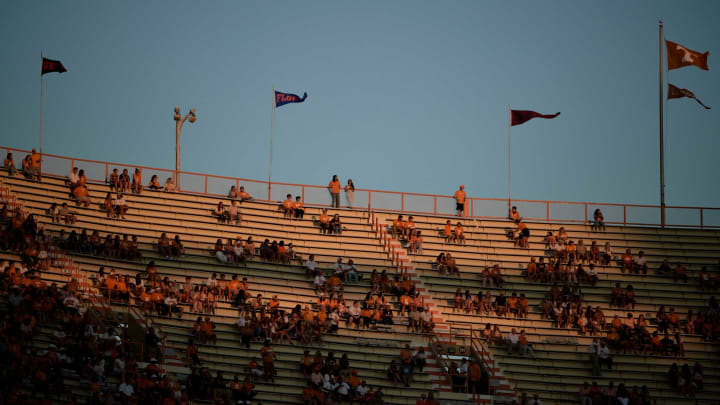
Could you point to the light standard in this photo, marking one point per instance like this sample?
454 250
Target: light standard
178 127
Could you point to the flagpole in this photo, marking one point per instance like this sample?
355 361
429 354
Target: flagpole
662 146
41 104
272 119
509 154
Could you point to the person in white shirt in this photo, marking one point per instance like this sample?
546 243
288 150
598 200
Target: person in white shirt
126 389
71 302
351 272
310 265
73 178
119 366
121 206
354 315
512 341
319 282
339 269
641 263
362 389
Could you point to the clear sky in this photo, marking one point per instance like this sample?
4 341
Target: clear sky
402 95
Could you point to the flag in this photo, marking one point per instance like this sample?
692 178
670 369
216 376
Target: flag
285 98
675 92
678 56
521 116
49 66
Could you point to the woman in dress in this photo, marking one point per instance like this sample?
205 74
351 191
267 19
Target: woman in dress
350 192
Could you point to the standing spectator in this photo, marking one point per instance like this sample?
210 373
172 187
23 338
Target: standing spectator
460 201
334 188
350 192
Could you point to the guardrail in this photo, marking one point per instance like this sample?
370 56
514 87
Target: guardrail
396 201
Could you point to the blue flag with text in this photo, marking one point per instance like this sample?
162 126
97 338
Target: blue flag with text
286 98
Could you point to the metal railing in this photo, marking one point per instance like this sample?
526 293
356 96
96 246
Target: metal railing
396 201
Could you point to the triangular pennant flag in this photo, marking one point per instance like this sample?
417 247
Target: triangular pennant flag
676 92
286 98
522 116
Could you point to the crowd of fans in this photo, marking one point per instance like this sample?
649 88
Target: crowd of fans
590 394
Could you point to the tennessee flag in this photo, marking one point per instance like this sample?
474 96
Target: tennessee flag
678 56
286 98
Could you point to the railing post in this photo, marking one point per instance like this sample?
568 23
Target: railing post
547 210
434 205
586 217
206 182
702 225
302 192
107 171
402 202
369 200
472 208
624 215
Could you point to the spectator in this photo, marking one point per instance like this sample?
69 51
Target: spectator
298 208
9 164
640 263
460 197
350 192
335 225
137 182
324 221
66 215
170 186
514 215
584 394
679 273
398 227
447 232
334 188
120 206
459 233
512 341
221 213
124 181
154 183
81 195
243 195
598 220
288 206
523 234
525 346
627 261
233 213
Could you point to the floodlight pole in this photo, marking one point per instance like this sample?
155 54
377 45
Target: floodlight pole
178 128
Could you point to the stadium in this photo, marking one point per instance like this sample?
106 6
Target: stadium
126 283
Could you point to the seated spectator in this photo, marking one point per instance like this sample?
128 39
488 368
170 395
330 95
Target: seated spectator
335 225
441 263
288 207
447 232
137 182
243 195
512 341
679 273
664 268
81 195
170 185
398 227
154 183
451 265
459 233
514 215
598 220
298 208
221 213
120 206
108 206
163 245
523 234
177 249
627 261
9 164
219 251
409 227
524 345
324 221
32 167
65 214
233 213
640 263
124 181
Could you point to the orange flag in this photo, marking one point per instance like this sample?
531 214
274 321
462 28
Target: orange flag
678 56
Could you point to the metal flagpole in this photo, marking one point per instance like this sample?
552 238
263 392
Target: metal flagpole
662 146
41 104
272 119
509 154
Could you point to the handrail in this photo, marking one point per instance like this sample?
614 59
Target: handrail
408 203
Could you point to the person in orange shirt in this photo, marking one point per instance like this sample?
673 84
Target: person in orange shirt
398 226
514 215
324 221
81 195
460 201
334 188
34 169
409 227
289 206
298 208
137 182
523 234
447 232
459 233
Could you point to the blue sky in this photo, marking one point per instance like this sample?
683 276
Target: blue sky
402 95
